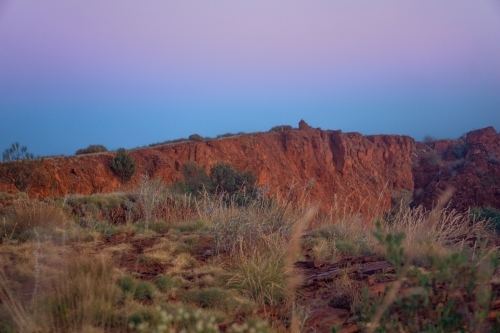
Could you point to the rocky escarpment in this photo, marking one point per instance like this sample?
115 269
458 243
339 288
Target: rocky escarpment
348 172
471 166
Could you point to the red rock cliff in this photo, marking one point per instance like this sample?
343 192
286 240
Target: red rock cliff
354 172
470 166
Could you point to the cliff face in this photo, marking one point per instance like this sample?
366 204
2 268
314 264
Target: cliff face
348 171
470 166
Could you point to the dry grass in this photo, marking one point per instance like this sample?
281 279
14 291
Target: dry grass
236 228
261 277
25 215
450 231
83 296
15 310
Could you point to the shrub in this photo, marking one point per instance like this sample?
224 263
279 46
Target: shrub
164 283
144 290
21 168
428 139
91 149
457 164
487 214
445 235
127 284
453 295
160 227
227 180
123 164
223 179
434 158
196 180
212 298
493 159
195 137
460 150
280 128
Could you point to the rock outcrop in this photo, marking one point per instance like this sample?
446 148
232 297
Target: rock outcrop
346 171
471 166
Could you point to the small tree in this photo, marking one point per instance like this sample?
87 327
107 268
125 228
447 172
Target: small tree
21 167
91 149
196 179
195 137
123 164
231 181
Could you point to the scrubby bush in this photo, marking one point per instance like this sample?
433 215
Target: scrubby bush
196 179
239 186
195 137
493 159
280 128
434 158
460 150
91 149
211 298
123 164
232 182
428 139
488 214
21 167
452 295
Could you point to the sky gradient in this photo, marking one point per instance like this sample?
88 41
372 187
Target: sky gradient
131 73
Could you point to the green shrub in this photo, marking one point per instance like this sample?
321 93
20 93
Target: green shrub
453 295
127 284
223 179
280 128
196 180
164 283
189 226
434 158
488 214
160 227
123 164
428 139
460 150
493 159
21 168
212 298
195 137
346 247
91 149
238 185
144 290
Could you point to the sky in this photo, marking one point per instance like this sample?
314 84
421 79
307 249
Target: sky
131 73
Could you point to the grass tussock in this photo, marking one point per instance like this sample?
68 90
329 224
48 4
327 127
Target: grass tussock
449 232
216 270
27 215
261 277
83 296
238 228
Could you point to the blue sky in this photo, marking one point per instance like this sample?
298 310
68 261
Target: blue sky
131 73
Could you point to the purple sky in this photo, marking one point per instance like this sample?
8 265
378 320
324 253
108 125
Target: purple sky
131 73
